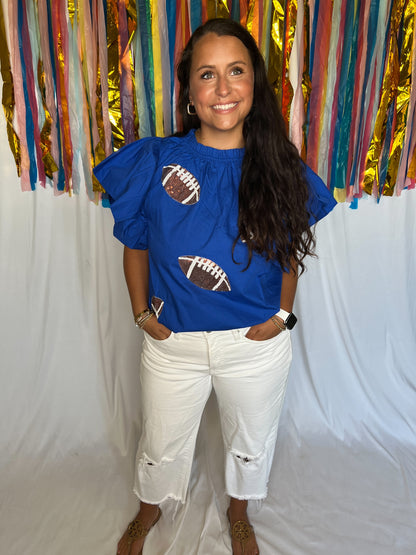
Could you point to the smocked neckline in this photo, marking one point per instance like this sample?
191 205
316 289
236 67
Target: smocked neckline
210 152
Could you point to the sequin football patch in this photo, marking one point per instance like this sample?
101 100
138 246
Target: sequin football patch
204 273
180 184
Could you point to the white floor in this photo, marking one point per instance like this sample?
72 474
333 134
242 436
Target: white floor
328 496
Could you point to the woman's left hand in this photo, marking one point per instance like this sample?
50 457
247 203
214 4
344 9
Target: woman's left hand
264 331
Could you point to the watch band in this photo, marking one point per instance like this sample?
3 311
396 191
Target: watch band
283 314
289 319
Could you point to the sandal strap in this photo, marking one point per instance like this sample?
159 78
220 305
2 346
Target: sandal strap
136 529
241 531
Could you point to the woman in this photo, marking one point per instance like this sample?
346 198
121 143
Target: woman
215 223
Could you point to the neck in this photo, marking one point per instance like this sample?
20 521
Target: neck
220 141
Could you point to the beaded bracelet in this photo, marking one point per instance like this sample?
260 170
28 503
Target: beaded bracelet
277 323
142 317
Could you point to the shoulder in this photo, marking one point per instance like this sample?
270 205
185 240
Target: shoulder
139 158
313 178
321 200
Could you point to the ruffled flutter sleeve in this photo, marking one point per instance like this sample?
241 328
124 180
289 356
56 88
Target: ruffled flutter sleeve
126 176
321 200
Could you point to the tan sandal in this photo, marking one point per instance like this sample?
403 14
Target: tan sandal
136 529
241 531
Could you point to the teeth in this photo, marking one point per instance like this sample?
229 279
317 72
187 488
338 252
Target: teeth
224 106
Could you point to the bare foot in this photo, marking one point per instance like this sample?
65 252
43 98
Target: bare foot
238 511
147 516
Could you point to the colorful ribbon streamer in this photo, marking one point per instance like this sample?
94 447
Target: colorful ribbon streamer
8 93
81 78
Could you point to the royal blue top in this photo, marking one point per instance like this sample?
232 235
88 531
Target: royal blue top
179 199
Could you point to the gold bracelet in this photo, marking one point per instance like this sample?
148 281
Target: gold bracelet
142 322
140 318
142 313
277 323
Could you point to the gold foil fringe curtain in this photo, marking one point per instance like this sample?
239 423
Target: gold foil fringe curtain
81 78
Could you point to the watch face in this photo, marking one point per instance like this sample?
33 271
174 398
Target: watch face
290 321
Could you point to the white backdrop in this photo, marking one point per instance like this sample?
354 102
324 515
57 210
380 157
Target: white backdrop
344 476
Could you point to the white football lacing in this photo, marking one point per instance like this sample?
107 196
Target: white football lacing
188 180
210 267
191 183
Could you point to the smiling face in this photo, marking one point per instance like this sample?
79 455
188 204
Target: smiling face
221 89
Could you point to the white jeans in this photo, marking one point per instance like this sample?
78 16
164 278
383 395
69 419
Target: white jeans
177 375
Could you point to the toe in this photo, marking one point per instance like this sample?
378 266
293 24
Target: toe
123 547
249 548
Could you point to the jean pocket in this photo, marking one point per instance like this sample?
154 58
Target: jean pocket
166 339
275 338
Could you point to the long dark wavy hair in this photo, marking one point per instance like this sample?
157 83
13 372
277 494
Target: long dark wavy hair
273 216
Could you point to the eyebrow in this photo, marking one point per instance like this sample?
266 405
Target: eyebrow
207 66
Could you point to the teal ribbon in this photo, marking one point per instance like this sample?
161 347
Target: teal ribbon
145 27
345 99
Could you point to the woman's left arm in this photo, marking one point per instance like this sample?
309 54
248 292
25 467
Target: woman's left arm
289 284
268 329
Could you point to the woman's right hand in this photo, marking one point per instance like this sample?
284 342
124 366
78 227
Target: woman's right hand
155 329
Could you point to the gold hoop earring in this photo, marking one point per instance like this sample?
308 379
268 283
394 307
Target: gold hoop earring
188 109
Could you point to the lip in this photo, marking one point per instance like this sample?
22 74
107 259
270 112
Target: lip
226 107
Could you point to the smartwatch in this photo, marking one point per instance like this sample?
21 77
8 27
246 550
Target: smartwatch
289 319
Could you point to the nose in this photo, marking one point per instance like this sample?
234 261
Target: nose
223 85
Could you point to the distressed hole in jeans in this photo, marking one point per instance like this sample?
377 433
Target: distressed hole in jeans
146 460
244 459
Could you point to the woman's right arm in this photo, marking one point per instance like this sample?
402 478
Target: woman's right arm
136 271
